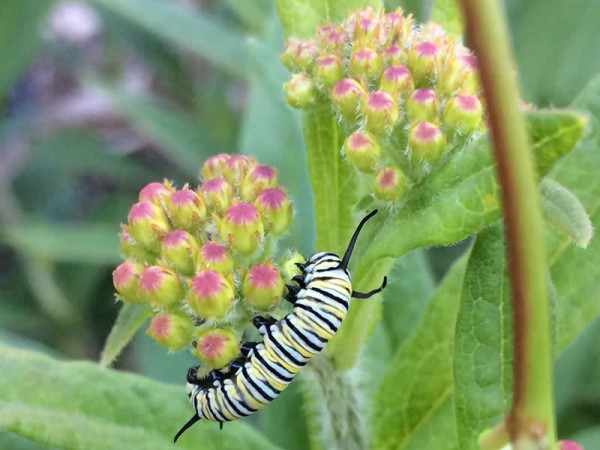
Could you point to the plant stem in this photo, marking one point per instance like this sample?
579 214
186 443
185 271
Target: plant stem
531 419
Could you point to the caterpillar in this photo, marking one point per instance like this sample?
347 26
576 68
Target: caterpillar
320 301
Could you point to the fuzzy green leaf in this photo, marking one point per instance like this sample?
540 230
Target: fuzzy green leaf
65 404
414 402
129 321
447 14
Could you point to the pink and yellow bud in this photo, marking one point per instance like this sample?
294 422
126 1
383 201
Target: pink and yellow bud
242 228
131 249
306 54
237 168
459 72
174 331
463 114
348 95
426 143
215 256
125 280
363 151
421 106
210 295
218 194
259 178
569 445
365 63
179 250
161 287
380 112
394 55
155 192
329 70
276 210
301 91
186 209
396 80
366 31
147 224
397 26
217 347
263 287
390 185
332 37
288 55
422 59
215 166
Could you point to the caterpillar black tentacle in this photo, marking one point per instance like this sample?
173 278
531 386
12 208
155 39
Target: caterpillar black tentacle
320 303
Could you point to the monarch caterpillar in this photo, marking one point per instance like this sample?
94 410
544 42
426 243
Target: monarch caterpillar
320 303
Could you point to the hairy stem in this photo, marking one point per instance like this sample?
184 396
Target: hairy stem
531 419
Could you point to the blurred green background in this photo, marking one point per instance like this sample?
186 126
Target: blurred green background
99 98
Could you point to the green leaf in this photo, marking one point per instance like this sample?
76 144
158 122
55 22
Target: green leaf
48 401
301 18
129 321
413 407
447 14
564 211
191 30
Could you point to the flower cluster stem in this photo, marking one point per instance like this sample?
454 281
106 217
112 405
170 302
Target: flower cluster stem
531 419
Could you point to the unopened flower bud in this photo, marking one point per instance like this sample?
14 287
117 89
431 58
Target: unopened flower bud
390 184
348 95
396 80
186 209
329 70
218 194
363 151
422 105
288 55
422 59
210 295
463 114
131 249
179 250
237 168
380 112
306 54
125 280
215 166
301 91
217 347
215 256
259 178
242 227
459 72
569 445
262 287
331 37
147 224
155 192
398 27
426 142
394 56
161 287
290 263
365 63
366 31
276 210
174 331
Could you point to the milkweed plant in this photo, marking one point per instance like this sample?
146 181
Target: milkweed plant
429 129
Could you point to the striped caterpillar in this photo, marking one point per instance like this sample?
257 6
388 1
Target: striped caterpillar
320 302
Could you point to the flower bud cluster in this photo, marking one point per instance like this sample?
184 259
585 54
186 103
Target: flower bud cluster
406 94
202 258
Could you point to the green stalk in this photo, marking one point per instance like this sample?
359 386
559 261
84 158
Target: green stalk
531 419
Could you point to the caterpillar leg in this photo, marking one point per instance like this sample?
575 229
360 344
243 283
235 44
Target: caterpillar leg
292 293
364 295
192 375
263 323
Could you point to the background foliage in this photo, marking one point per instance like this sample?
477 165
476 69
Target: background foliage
99 98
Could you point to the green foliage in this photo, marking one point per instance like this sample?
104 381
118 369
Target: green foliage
130 320
447 14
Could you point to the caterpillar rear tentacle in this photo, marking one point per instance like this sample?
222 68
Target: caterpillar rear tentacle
320 303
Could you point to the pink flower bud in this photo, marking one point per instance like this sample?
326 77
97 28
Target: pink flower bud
459 72
288 55
147 224
262 287
276 210
237 168
210 295
215 166
422 59
348 95
215 256
217 347
174 331
380 112
329 70
131 249
186 209
422 105
259 178
161 286
363 151
306 54
398 27
390 184
426 142
301 91
125 280
463 114
242 228
569 445
155 192
365 63
396 80
218 194
179 250
394 56
366 31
